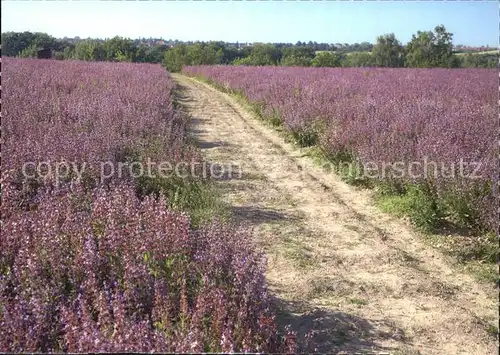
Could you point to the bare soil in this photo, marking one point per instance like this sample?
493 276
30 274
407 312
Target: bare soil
356 279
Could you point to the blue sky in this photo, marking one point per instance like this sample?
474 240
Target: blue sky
471 22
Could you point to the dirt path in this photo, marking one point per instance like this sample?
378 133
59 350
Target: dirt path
357 278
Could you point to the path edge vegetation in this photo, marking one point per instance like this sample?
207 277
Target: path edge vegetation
473 248
187 193
208 203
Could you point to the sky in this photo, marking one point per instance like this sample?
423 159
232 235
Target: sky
472 22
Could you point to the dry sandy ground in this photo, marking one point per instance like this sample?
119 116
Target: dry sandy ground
355 278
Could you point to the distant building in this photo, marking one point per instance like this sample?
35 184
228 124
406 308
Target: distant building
44 53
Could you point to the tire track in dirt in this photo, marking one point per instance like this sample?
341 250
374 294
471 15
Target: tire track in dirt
356 278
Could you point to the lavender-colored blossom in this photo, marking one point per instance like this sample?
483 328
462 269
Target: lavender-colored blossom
93 267
384 116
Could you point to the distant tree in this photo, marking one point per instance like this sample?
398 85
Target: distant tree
140 55
430 49
213 53
230 53
69 52
89 50
293 61
29 52
426 49
297 56
175 58
243 61
123 57
44 40
119 48
366 47
388 52
420 51
326 59
194 55
473 60
355 47
154 54
358 59
61 44
266 53
261 54
246 51
443 46
200 53
58 55
13 43
302 51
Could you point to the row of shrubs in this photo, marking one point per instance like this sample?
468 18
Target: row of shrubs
127 263
356 117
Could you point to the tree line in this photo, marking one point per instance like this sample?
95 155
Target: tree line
426 49
26 44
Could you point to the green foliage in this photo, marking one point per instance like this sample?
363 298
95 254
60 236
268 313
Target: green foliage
461 207
443 46
174 58
197 54
420 50
69 53
473 60
417 202
152 54
426 49
13 43
194 55
187 193
230 54
431 49
358 59
29 52
118 48
265 54
245 61
141 53
326 59
196 197
298 52
58 55
430 211
484 248
293 61
308 135
297 56
123 57
261 54
90 50
388 52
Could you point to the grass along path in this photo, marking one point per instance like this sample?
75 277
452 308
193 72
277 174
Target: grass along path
353 277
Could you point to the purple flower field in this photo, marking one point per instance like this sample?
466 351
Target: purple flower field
87 266
90 113
378 116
